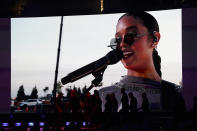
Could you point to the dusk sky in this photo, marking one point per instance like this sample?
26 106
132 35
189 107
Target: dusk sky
34 43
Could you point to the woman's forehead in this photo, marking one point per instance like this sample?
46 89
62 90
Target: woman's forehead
129 23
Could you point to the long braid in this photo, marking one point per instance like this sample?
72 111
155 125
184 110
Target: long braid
157 62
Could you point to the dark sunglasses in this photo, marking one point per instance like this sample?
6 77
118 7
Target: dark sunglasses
129 39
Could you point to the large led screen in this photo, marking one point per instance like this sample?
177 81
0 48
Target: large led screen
84 39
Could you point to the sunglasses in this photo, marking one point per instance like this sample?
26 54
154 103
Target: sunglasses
129 39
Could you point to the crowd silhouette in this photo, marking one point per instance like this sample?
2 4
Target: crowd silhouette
93 104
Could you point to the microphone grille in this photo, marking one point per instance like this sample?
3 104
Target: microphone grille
114 56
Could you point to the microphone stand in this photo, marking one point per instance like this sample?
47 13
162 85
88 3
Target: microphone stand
98 78
57 63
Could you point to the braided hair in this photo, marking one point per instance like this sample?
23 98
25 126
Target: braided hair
157 62
152 25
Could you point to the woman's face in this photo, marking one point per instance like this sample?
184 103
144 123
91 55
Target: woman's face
137 55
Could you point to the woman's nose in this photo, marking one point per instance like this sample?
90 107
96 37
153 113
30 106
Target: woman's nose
123 44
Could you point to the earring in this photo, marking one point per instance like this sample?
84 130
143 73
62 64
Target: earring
155 39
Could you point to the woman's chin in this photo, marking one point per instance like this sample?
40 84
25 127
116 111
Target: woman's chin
128 66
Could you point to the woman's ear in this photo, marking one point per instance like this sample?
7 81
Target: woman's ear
156 38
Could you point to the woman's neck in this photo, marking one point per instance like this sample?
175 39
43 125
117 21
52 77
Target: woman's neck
153 75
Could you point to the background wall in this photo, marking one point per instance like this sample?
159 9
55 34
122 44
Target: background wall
189 52
5 64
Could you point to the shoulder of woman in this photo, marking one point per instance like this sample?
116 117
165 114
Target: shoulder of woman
166 85
172 94
110 89
107 88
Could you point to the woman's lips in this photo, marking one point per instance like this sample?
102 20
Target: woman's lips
127 54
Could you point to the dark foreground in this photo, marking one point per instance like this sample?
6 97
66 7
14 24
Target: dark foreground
99 121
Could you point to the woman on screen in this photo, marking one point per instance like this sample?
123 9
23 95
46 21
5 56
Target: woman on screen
137 35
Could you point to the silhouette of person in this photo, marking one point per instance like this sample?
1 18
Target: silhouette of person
88 103
145 103
58 103
133 103
108 107
124 101
114 103
74 102
96 102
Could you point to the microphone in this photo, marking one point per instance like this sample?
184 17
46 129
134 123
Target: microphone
109 59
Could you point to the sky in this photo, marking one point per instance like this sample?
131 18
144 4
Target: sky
34 44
